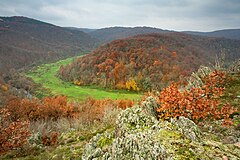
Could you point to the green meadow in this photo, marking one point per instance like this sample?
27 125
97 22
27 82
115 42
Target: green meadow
46 75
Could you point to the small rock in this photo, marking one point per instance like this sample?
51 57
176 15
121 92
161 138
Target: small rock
229 140
150 106
237 144
225 158
188 128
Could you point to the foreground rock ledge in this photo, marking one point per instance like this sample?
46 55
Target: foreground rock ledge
139 135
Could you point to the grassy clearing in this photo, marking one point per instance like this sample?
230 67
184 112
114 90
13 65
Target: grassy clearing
46 76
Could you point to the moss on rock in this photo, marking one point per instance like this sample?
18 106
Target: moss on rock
139 135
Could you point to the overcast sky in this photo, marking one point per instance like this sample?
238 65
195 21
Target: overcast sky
198 15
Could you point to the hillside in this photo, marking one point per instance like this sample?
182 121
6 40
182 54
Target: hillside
113 33
24 41
86 30
227 33
148 61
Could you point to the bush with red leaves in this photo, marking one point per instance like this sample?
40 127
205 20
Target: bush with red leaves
13 134
197 103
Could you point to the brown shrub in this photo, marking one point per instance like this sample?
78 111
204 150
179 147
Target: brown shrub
197 103
13 134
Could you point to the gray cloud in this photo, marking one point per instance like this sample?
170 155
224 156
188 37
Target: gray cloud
202 15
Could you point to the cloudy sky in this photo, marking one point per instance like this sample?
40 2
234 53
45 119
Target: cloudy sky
198 15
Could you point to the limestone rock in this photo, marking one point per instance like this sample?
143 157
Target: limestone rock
188 128
138 135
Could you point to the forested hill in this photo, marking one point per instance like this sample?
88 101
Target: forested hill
147 61
227 33
112 33
24 41
105 35
86 30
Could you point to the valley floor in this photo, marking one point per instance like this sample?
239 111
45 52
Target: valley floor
46 75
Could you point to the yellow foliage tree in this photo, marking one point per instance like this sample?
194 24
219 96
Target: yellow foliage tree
78 83
132 85
4 87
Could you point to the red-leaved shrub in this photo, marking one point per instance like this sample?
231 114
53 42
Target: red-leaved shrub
13 134
197 103
35 109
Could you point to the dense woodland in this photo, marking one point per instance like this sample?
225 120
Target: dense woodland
147 62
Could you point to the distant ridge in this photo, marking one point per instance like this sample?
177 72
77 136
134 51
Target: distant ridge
108 34
86 30
226 33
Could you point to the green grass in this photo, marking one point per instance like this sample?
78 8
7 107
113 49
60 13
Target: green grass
46 76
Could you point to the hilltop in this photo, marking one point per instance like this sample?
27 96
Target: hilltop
112 33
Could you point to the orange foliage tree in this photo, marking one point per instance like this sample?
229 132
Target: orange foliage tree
119 73
197 103
92 109
13 134
50 140
53 108
47 108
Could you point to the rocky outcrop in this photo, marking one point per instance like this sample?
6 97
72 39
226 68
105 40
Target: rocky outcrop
139 135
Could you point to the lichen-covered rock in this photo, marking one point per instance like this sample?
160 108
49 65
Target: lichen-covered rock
96 146
138 135
133 138
188 128
142 145
150 106
196 78
134 120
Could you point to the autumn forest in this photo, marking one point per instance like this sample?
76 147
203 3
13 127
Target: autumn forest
117 93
